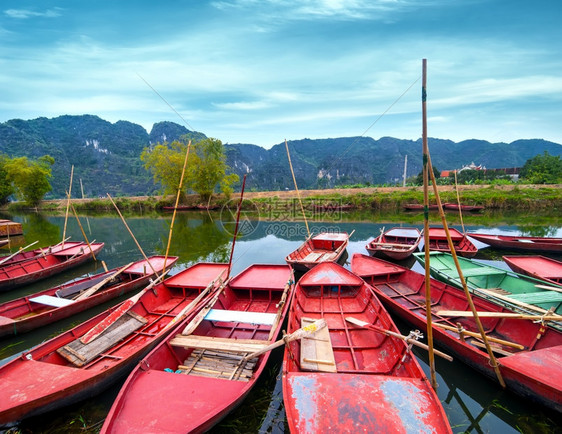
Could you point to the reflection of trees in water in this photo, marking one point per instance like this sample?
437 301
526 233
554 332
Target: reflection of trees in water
37 228
538 231
195 240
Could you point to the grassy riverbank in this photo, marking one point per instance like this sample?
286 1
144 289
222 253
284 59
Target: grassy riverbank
540 198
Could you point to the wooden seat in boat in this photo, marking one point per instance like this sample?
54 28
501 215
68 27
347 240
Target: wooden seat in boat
219 344
317 353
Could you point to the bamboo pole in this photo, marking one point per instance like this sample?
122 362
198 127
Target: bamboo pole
459 202
509 315
489 349
81 229
67 205
477 335
296 188
236 227
386 332
134 239
426 168
176 206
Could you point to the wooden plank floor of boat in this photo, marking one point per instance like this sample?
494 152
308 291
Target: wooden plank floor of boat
80 354
218 364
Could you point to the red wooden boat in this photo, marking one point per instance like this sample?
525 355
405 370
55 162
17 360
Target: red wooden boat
539 267
64 370
347 378
53 304
419 207
10 228
332 207
396 243
534 372
463 246
22 255
465 208
531 244
324 247
45 265
190 382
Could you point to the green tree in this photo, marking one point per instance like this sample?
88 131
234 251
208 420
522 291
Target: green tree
206 167
542 169
419 178
165 162
6 187
30 179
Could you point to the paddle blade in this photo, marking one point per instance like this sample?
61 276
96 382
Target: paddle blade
100 327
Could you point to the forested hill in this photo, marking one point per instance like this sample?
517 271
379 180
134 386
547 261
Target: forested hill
106 155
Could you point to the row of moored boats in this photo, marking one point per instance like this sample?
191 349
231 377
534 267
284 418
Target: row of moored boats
194 344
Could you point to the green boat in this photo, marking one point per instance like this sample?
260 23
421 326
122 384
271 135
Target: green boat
504 287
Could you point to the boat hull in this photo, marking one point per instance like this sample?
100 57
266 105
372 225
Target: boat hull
402 291
463 246
349 377
62 382
518 290
325 402
323 247
539 267
397 243
172 370
529 244
38 268
24 314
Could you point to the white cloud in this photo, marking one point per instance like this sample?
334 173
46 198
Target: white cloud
27 13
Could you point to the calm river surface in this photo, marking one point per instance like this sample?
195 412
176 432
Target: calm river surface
472 403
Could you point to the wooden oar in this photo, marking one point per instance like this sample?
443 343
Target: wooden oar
203 312
512 315
383 244
7 258
121 310
477 335
183 313
303 332
365 324
550 288
97 286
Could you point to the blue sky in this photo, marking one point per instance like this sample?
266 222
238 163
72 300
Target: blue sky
260 71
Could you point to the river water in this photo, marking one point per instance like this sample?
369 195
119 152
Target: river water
472 403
